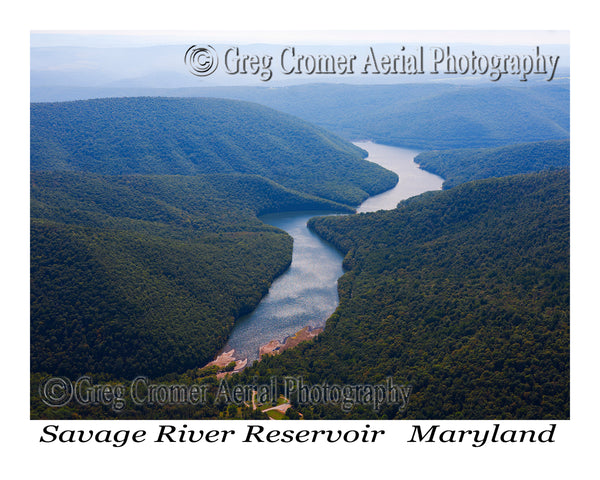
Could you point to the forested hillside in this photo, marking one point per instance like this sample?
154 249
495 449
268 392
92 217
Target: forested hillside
463 165
463 294
146 274
200 136
145 241
146 244
422 116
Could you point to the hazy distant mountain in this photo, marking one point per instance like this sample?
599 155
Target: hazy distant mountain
163 66
422 116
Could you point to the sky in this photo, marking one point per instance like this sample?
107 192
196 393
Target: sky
117 38
577 441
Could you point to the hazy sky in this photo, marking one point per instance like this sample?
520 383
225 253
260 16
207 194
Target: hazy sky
323 37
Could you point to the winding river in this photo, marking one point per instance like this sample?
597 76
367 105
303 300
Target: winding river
306 294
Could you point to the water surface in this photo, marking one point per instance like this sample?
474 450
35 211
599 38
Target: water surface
411 179
306 294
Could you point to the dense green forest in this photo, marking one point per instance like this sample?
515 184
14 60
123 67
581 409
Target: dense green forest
200 136
146 274
422 116
463 294
145 241
146 246
463 165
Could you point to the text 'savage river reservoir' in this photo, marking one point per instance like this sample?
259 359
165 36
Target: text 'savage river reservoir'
306 294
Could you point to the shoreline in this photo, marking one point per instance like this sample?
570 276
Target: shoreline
273 347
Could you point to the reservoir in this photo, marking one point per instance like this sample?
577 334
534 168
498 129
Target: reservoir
306 294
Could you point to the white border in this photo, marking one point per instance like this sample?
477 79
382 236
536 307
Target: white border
575 438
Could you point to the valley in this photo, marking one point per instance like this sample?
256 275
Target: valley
166 230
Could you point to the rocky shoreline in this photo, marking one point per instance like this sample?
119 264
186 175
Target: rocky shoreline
274 347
